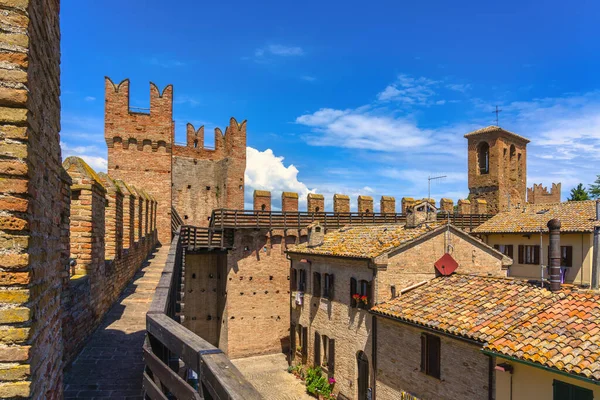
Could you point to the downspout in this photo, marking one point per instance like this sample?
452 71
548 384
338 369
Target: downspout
596 255
292 350
490 377
374 356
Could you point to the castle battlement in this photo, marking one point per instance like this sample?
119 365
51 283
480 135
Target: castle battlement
232 143
539 194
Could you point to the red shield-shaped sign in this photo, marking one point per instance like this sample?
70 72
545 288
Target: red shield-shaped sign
446 265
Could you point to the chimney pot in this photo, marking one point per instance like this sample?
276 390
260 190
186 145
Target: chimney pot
554 229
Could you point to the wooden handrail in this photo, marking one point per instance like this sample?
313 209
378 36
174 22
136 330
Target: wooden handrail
167 340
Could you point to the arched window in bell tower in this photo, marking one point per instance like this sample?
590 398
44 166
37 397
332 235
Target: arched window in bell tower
483 158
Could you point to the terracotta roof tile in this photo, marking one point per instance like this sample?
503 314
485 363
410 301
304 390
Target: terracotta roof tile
565 336
364 241
574 216
494 128
475 307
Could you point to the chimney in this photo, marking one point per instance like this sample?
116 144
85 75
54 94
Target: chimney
554 229
596 254
316 234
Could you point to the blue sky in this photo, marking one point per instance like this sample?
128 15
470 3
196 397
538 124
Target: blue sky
348 97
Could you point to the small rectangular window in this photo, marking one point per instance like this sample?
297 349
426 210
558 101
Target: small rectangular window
317 349
506 249
301 280
328 286
325 351
294 279
529 254
316 284
566 391
430 355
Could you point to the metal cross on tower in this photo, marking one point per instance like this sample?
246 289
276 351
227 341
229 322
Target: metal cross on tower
497 112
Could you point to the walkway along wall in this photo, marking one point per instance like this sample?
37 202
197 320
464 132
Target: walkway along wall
100 267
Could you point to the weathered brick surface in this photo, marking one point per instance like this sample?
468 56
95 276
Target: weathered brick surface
464 368
262 200
539 194
479 206
140 145
387 205
507 175
289 201
407 202
464 206
315 202
447 205
365 204
205 179
31 190
341 203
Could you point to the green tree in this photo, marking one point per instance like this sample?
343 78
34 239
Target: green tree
579 193
594 190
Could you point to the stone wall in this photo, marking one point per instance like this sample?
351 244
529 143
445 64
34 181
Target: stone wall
31 199
464 369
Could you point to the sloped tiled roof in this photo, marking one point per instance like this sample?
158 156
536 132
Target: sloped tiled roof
494 128
364 241
474 307
564 336
574 216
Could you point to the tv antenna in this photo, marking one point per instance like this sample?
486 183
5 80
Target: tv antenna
498 111
429 179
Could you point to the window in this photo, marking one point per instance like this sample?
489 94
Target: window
483 156
430 355
325 359
294 279
567 391
317 348
506 249
301 280
316 284
566 256
529 254
328 287
360 293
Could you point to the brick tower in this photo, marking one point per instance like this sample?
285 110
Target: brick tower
497 167
139 145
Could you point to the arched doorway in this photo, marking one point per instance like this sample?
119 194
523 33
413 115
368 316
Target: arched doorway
363 375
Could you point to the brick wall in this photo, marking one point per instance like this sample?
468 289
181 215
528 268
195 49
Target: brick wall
96 244
387 205
315 202
289 201
464 369
365 204
416 263
407 202
262 200
341 203
140 145
205 179
31 199
507 170
539 194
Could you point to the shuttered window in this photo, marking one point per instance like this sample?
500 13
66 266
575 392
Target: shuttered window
304 343
529 254
567 391
353 291
294 279
292 341
566 256
325 360
506 249
430 355
331 358
301 280
317 349
316 284
328 286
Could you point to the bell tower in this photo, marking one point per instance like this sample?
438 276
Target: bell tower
497 168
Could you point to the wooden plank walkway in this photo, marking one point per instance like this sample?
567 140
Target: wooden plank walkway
111 365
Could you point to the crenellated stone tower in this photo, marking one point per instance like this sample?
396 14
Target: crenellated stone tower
497 168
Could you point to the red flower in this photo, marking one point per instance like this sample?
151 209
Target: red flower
356 296
364 299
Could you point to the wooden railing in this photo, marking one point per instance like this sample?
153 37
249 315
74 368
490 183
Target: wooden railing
194 238
239 219
171 350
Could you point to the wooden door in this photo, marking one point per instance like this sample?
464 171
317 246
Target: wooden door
363 375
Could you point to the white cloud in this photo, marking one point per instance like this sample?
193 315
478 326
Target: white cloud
166 63
185 99
266 171
267 53
459 87
90 154
89 98
409 90
308 78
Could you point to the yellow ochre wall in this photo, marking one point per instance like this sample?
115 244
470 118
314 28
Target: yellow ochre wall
532 383
579 274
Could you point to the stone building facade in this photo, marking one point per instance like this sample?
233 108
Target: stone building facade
326 318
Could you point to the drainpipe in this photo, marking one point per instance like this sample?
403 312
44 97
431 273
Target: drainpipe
554 262
596 254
